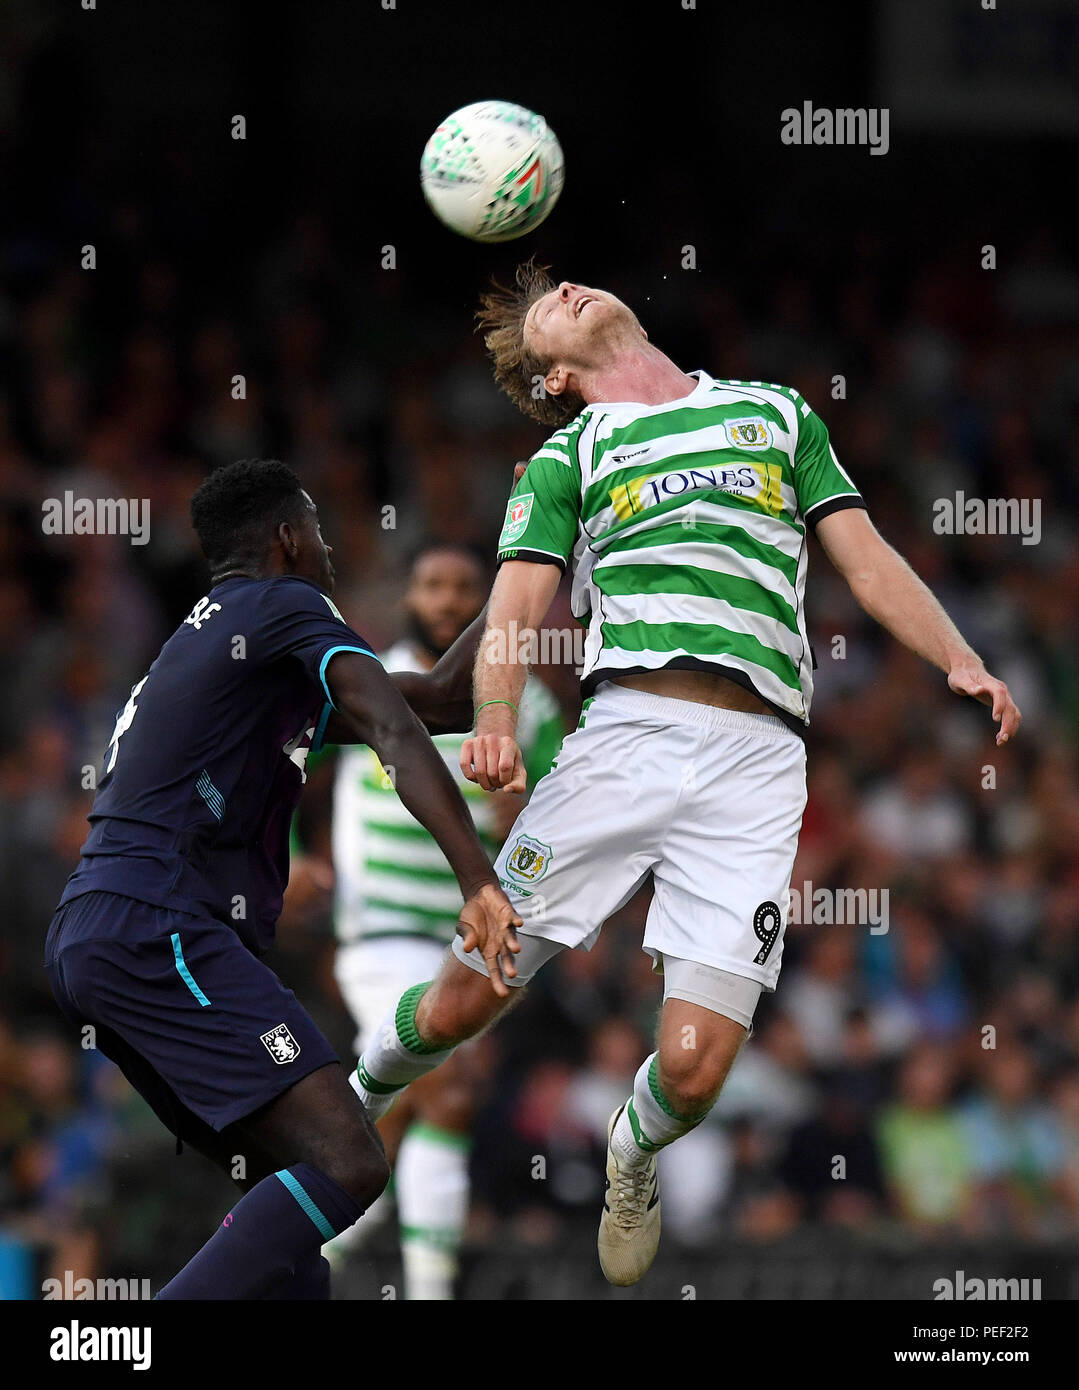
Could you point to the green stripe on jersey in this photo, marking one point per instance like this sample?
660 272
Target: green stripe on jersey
712 534
667 579
443 934
699 639
413 830
686 420
436 875
425 914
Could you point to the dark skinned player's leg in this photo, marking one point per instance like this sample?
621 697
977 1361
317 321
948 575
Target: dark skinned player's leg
332 1166
242 1159
182 1006
311 1279
320 1121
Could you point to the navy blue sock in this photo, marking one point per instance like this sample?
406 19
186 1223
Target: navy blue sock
277 1228
310 1283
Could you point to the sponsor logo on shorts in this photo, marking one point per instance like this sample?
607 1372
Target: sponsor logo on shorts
528 859
517 513
281 1045
750 433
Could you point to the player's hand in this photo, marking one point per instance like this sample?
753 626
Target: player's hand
519 472
971 678
494 761
487 922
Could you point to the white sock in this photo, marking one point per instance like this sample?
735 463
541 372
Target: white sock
648 1121
429 1273
431 1180
395 1056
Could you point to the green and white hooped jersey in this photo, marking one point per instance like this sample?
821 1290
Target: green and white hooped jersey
685 526
391 878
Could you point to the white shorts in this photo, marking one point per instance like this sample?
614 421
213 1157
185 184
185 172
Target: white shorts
709 801
372 975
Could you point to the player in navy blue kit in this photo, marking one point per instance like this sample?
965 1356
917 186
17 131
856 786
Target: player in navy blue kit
157 937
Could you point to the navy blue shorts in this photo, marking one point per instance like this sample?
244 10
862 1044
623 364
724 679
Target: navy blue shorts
195 1022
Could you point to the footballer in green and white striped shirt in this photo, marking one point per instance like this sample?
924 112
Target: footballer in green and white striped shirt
680 505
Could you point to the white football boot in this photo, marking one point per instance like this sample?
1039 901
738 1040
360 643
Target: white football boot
629 1226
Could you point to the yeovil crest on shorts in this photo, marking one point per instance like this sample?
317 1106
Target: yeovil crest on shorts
281 1045
528 860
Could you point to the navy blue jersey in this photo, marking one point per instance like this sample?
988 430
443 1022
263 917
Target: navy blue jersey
206 762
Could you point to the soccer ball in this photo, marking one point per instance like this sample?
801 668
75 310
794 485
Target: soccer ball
492 171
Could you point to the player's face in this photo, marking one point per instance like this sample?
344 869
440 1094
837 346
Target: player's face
312 559
577 326
444 594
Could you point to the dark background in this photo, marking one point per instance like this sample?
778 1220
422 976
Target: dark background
263 257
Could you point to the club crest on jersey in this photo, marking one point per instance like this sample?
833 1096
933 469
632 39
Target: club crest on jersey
528 860
751 432
517 513
281 1045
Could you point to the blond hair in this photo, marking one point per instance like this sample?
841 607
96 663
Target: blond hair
519 371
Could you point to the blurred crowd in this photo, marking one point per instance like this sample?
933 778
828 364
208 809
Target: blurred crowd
936 1062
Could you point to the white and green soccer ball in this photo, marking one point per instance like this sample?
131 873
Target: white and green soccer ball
492 171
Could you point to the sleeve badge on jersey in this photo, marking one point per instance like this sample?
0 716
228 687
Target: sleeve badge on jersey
518 510
752 432
281 1045
529 860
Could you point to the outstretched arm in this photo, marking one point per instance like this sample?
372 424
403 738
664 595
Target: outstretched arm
519 602
440 698
368 699
891 593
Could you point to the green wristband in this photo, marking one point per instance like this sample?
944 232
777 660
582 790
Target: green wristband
495 702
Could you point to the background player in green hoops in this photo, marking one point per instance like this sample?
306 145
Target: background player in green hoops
680 504
396 908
